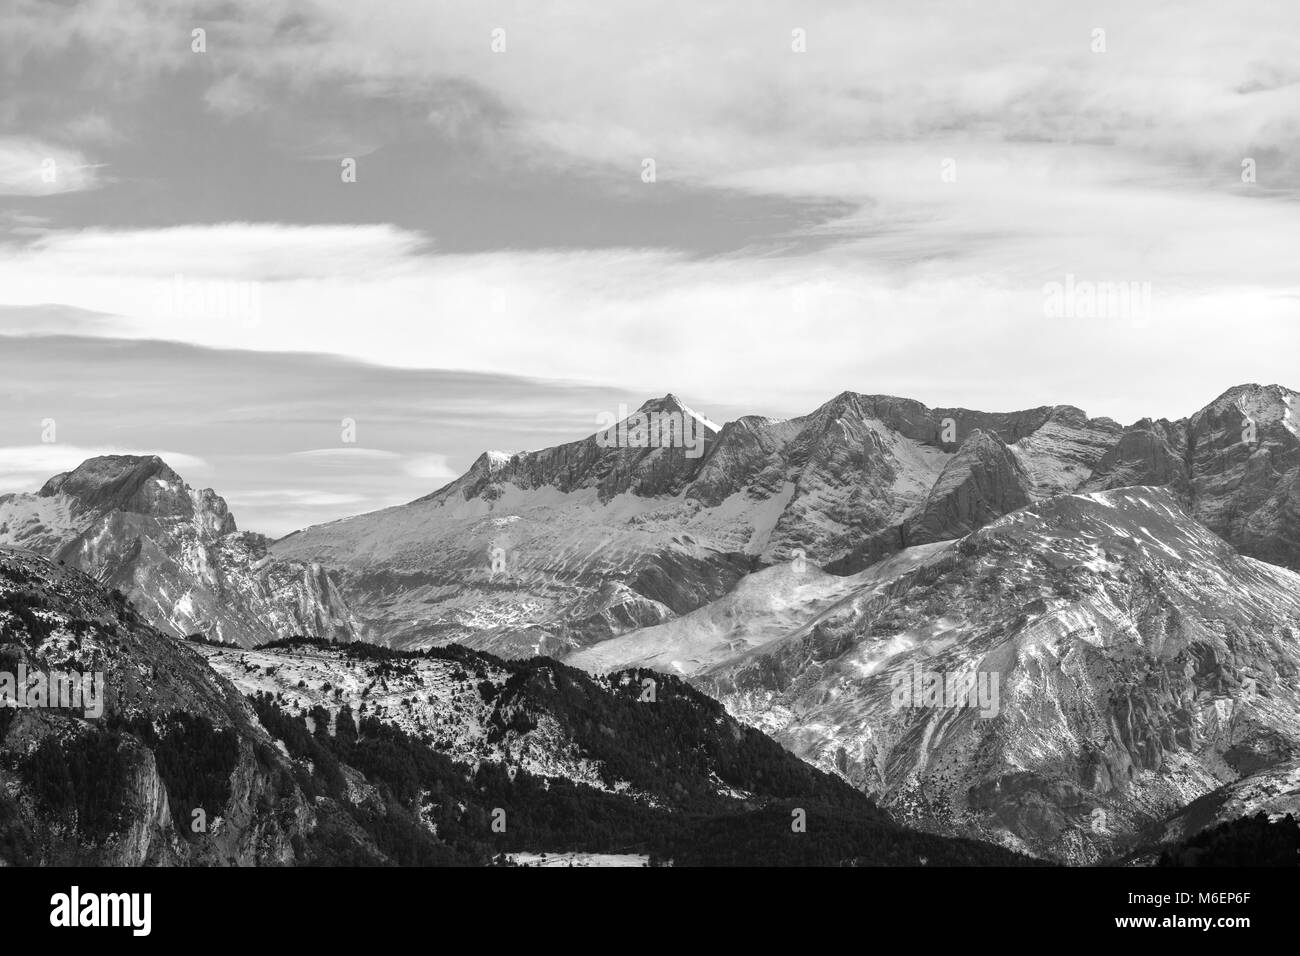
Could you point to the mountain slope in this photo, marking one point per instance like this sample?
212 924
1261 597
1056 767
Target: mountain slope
1273 791
1141 663
134 524
173 740
574 765
768 606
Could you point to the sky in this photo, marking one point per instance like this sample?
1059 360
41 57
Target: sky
558 208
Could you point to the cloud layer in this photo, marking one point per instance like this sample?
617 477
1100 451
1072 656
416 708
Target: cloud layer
876 197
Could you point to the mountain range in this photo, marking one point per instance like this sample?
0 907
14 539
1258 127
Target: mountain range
1128 596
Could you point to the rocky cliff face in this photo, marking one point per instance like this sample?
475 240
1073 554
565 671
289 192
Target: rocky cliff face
1235 466
134 524
1244 459
1147 453
983 481
1060 455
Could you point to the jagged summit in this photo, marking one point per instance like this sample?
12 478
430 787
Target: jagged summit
138 484
654 450
671 403
604 534
110 469
132 522
1261 404
112 480
1251 389
609 460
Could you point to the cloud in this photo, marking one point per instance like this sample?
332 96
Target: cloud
30 167
257 252
251 414
52 319
91 127
345 457
719 92
299 498
430 466
951 284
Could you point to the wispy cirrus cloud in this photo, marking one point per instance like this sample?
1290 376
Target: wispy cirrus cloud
269 420
267 252
300 498
959 294
31 167
434 466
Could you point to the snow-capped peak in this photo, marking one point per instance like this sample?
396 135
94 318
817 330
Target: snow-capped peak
1262 404
671 403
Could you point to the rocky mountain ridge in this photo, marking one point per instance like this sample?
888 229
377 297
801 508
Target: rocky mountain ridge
557 550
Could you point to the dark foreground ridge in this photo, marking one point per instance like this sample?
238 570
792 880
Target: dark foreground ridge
181 769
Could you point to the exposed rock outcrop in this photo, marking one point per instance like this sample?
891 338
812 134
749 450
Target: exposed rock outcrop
983 481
